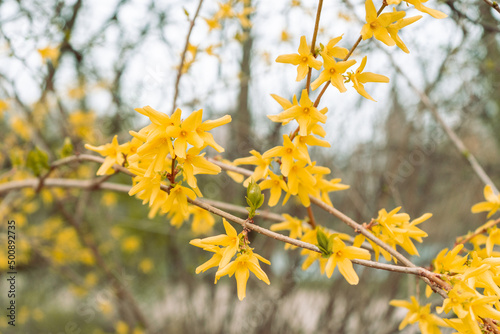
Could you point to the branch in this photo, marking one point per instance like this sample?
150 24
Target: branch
183 57
449 132
493 4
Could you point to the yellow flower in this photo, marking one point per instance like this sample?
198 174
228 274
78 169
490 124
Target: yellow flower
202 221
304 59
427 322
492 203
131 244
493 238
301 143
179 195
336 51
305 114
294 225
262 169
208 125
333 72
241 268
112 153
377 26
146 265
194 163
185 132
230 240
276 184
432 12
359 78
49 53
341 256
288 152
394 28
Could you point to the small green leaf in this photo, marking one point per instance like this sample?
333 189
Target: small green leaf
37 161
186 12
322 241
67 149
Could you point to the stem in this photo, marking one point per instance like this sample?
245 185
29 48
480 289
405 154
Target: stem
481 231
311 221
313 43
183 57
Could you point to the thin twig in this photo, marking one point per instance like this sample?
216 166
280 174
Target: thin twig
449 132
493 4
476 233
183 57
313 43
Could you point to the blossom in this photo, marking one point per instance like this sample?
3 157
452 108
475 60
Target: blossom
492 203
262 169
427 322
194 163
336 51
294 225
304 59
288 152
305 114
112 153
394 28
432 12
276 184
333 72
179 195
377 26
341 256
359 78
241 267
230 240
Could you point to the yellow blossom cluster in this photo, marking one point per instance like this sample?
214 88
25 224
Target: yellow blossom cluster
474 293
225 247
166 153
395 229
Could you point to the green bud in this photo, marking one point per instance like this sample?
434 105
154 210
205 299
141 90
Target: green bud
37 161
254 197
322 241
67 149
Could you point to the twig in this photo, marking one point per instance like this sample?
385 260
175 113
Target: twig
449 132
183 57
493 4
313 43
476 233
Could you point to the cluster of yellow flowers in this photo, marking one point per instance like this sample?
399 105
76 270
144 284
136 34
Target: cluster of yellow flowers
227 11
394 229
225 247
159 155
474 296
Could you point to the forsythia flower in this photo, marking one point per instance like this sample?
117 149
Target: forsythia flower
333 72
276 184
246 260
427 322
304 59
288 152
112 153
394 28
432 12
377 26
292 224
341 256
262 169
359 78
241 268
336 51
492 203
305 114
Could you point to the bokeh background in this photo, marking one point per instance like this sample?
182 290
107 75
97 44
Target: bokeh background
77 69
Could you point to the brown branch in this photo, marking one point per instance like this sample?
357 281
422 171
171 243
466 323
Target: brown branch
476 167
493 4
476 233
183 57
313 43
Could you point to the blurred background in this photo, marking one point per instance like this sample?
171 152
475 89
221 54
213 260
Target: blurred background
91 261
